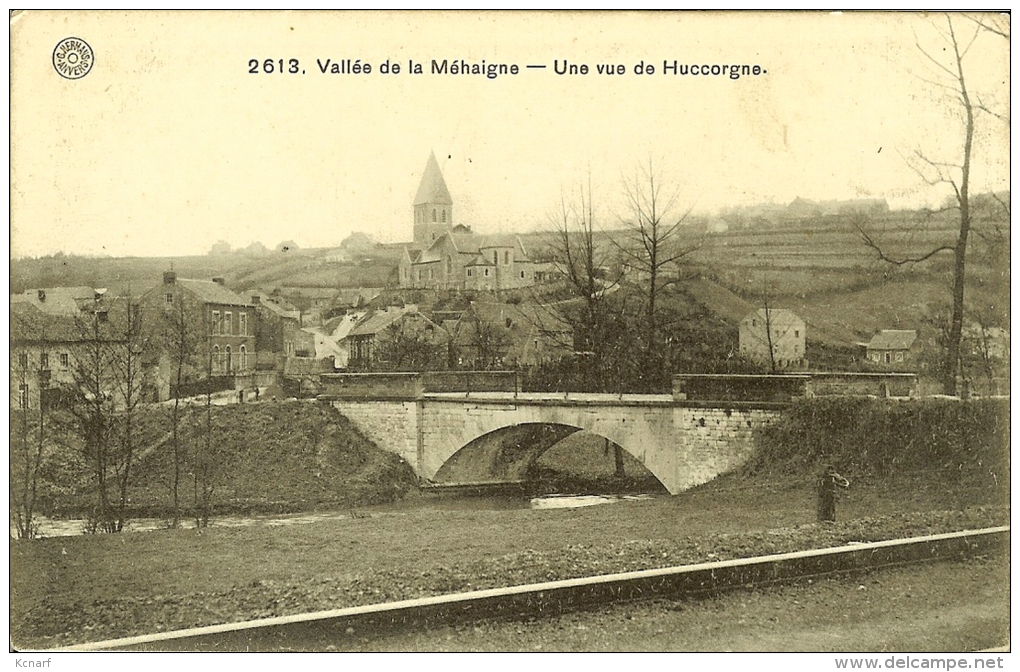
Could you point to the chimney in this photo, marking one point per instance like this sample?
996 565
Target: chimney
169 277
218 281
42 295
256 299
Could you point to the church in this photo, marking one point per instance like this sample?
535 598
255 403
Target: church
449 256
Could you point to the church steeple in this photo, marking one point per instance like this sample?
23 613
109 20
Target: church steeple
433 205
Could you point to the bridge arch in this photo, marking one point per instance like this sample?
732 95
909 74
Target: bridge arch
509 453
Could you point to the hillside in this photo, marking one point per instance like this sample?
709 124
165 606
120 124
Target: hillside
265 457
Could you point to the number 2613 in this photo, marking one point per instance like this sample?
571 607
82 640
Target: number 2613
269 66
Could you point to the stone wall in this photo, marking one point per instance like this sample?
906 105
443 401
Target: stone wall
391 425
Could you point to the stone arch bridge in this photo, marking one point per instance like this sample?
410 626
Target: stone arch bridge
475 437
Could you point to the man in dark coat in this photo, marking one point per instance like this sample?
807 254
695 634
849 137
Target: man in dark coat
827 485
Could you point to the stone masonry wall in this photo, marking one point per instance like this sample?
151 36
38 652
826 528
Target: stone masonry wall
391 425
715 441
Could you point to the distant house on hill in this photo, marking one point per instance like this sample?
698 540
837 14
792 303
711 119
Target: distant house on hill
773 336
894 348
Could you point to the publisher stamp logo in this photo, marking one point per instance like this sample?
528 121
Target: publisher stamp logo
73 58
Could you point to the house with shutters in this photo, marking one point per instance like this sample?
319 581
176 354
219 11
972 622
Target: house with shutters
894 348
773 336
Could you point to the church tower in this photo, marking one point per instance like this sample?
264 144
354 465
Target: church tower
433 206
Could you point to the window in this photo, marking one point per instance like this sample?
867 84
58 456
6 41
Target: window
522 275
433 214
754 323
23 395
495 257
432 273
444 216
228 319
63 360
888 357
449 265
229 358
506 257
216 358
419 274
899 356
243 323
23 360
44 360
244 359
486 272
216 325
169 298
470 272
796 333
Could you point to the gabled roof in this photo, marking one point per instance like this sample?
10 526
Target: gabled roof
31 325
432 188
378 321
56 300
774 315
471 244
893 339
213 292
279 310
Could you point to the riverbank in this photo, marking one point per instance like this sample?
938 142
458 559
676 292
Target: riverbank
79 589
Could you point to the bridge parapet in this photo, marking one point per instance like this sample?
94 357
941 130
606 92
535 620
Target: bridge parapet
414 384
788 386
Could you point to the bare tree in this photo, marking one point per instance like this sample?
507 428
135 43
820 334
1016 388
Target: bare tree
180 342
411 344
92 406
954 173
654 244
126 357
205 459
581 255
27 442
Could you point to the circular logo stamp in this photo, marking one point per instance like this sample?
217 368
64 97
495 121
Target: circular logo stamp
73 58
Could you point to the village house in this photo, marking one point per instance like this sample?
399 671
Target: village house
397 339
448 256
222 325
278 328
894 348
773 336
492 335
48 330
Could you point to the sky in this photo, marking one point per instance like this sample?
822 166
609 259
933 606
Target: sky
169 144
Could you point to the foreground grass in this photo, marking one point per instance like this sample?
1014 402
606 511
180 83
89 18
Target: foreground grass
947 606
67 590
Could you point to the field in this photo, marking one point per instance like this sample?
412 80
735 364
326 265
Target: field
75 589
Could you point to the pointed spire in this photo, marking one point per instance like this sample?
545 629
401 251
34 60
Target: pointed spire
432 188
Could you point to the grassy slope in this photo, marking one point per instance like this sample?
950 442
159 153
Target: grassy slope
270 456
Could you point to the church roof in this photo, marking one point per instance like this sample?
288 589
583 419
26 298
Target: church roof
432 188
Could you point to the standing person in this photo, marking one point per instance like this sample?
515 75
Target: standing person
827 485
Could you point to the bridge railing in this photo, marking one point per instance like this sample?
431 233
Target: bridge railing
787 386
414 384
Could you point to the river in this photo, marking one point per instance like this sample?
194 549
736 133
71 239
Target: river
70 527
